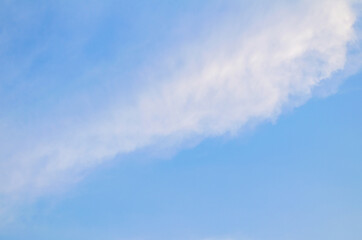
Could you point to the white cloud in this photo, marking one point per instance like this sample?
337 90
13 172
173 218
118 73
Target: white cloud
217 84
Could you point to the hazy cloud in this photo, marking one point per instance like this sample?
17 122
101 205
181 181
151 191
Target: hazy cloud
230 76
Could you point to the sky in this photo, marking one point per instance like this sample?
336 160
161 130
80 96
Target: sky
190 120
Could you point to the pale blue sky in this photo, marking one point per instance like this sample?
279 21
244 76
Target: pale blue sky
199 120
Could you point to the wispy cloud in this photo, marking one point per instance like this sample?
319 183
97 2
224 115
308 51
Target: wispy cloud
230 76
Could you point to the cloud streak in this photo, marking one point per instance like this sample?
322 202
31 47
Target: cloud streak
231 76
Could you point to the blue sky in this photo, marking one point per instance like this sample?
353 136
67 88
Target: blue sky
218 120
